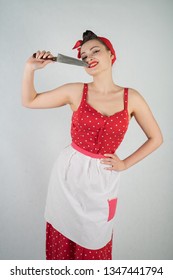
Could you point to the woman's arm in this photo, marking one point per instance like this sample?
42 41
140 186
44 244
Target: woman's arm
144 117
54 98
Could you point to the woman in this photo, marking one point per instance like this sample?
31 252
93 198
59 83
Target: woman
83 187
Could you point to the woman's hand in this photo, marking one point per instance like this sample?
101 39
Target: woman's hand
38 62
115 163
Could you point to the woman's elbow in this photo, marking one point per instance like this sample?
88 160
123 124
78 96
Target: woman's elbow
161 140
158 140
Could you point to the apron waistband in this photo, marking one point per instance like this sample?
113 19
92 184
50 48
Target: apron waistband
87 153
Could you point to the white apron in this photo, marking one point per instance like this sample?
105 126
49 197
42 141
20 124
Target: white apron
82 199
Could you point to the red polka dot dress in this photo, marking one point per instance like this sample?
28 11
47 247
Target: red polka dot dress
59 247
82 195
95 132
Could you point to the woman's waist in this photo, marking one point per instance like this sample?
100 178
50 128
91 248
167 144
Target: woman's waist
93 154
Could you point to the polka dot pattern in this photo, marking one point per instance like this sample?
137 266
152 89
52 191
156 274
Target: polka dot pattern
95 132
59 247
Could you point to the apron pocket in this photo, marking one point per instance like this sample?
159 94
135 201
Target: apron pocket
112 207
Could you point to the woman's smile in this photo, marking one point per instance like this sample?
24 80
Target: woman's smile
92 64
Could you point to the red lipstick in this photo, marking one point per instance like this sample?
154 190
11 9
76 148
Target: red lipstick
93 64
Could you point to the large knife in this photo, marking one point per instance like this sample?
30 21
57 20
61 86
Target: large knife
66 59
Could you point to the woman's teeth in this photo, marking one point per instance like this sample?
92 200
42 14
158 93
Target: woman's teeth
93 64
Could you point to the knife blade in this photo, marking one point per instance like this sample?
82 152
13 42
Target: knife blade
65 59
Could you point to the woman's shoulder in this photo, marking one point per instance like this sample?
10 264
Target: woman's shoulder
73 89
76 86
136 100
134 95
133 92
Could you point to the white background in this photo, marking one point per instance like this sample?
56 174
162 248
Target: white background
30 140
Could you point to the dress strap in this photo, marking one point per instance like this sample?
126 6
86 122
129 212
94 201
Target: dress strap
125 98
85 91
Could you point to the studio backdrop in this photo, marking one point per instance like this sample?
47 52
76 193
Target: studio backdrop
30 140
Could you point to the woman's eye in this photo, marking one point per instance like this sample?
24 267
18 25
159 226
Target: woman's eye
96 51
84 58
93 52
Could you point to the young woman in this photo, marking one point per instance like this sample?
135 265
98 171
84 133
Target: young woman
83 187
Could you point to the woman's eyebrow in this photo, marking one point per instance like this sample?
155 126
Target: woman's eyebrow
90 49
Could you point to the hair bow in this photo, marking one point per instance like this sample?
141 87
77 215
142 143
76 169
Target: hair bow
104 40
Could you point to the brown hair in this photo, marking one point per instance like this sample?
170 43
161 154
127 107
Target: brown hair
89 35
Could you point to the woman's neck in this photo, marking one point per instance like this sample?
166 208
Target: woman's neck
103 83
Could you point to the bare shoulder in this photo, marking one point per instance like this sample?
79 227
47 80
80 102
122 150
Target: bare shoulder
138 107
136 101
73 91
71 88
134 94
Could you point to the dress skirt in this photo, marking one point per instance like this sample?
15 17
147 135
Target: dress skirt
81 201
59 247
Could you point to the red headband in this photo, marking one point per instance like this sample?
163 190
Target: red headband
104 40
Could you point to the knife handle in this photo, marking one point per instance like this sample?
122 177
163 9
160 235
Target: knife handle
47 58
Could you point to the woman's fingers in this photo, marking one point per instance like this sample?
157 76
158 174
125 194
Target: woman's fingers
109 158
47 55
115 163
39 54
43 54
39 60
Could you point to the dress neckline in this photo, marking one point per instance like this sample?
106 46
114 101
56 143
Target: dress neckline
98 112
104 116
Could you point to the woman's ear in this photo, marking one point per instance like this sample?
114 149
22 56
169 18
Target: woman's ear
112 56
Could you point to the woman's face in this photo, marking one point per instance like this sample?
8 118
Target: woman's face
96 55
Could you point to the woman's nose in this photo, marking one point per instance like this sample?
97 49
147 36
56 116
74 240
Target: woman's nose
89 58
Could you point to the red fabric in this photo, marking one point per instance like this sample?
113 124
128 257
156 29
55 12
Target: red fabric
84 152
104 40
112 208
59 247
96 133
